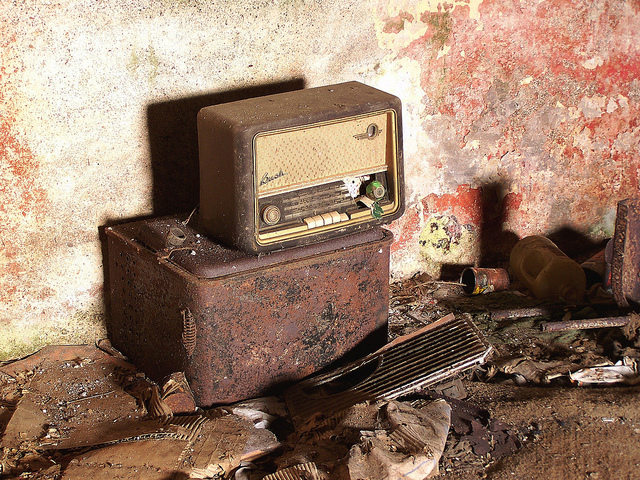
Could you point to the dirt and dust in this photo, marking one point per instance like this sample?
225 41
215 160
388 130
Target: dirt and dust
562 430
570 432
519 415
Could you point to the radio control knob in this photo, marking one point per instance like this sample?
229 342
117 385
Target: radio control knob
375 190
270 214
373 130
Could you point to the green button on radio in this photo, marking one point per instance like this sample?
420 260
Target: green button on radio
375 190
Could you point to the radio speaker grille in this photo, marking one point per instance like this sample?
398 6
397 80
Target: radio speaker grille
304 156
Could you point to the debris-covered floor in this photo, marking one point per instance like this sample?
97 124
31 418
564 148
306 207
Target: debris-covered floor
530 410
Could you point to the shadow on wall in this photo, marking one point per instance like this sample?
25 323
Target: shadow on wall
495 243
576 245
173 142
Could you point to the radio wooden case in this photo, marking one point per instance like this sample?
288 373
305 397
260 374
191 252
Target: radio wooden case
300 167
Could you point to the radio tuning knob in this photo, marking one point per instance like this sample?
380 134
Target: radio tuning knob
270 214
373 130
375 190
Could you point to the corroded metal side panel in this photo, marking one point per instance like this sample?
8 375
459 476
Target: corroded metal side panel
244 334
280 325
146 301
625 283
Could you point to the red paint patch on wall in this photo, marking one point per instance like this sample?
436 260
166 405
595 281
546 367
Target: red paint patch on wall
465 204
22 195
405 229
617 71
19 187
510 204
559 41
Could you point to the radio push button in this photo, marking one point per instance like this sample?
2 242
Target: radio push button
325 219
312 222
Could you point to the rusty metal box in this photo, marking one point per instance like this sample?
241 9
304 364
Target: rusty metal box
241 325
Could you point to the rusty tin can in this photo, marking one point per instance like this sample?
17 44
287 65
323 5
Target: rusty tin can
241 325
476 280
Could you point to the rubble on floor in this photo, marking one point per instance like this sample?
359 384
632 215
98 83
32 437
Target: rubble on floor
71 412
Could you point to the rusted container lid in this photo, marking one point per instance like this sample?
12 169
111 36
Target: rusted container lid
173 241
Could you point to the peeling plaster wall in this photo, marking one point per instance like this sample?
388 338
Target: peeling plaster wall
519 118
526 121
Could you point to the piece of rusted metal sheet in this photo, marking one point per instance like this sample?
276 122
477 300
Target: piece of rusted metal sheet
239 325
177 395
625 274
405 365
477 281
193 446
586 324
528 312
75 395
303 471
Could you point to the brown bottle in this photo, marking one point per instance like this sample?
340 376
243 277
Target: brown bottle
545 270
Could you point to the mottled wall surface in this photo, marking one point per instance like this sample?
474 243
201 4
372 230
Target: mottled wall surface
519 118
526 122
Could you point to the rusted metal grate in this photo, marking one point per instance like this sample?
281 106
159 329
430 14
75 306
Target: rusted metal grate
407 364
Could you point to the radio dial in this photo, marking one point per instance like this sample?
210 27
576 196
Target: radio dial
270 214
375 190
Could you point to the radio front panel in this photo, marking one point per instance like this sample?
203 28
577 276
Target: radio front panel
300 167
321 183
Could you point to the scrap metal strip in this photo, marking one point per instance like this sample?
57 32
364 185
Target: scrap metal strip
304 471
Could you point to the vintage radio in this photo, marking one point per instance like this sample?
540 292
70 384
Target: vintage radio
300 167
